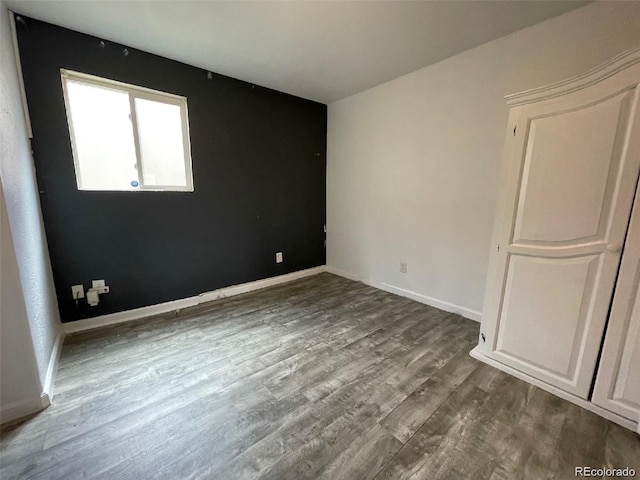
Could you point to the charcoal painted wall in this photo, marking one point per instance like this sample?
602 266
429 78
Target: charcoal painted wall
259 160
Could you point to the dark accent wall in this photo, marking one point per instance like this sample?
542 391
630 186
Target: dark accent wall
259 159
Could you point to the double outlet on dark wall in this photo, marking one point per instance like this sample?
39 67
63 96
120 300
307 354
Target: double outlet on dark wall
259 168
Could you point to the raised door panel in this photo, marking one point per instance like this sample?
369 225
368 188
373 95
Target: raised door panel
618 382
569 187
569 173
527 322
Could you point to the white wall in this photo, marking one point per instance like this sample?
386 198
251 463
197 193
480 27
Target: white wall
34 286
413 164
20 385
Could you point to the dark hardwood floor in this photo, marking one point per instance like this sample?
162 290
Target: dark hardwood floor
319 378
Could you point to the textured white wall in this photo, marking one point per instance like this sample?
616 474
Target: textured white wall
22 205
413 164
19 381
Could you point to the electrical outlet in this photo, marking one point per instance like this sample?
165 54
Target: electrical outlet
97 283
279 258
77 291
403 267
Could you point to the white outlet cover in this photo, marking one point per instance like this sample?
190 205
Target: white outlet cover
279 258
77 291
97 283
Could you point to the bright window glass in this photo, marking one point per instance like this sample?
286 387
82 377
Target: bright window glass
103 137
126 137
161 143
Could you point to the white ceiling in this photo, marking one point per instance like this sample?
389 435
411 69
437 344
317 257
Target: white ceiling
319 50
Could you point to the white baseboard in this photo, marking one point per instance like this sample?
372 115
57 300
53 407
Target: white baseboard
126 316
46 400
52 369
342 273
20 409
581 402
418 297
434 302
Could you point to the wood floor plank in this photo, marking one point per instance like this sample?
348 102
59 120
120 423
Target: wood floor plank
416 409
317 378
326 444
622 449
364 458
583 436
531 449
443 429
476 453
360 397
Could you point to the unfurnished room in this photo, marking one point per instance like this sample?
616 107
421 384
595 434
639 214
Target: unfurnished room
356 240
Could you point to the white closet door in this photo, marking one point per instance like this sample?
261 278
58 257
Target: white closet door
572 164
618 383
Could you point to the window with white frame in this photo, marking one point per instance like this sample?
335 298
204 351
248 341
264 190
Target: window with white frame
126 137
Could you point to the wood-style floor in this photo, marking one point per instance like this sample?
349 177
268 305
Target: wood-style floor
319 378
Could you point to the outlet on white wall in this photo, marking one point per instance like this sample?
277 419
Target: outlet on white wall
279 257
403 267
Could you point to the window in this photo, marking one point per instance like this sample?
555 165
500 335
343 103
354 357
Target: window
126 137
